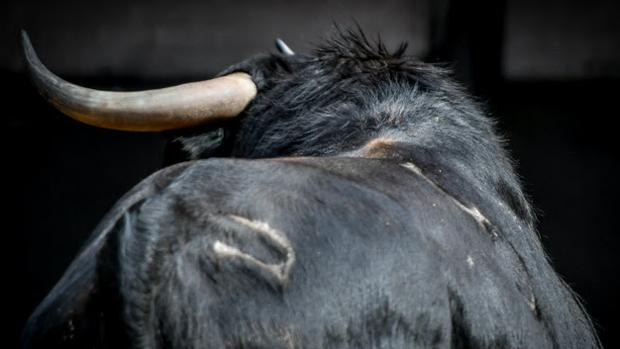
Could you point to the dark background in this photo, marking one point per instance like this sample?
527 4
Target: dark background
548 71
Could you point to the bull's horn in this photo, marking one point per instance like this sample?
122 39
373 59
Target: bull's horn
168 108
283 48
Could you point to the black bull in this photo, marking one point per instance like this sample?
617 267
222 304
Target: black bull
374 207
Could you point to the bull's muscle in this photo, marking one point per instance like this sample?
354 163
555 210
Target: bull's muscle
313 253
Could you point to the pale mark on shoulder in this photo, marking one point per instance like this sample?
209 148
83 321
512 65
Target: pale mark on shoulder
472 211
470 261
277 238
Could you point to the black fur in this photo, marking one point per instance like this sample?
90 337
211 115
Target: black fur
408 225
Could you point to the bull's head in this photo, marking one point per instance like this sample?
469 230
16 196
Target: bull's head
336 100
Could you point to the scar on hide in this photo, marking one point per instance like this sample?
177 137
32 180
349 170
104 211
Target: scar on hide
280 270
377 148
470 261
531 302
471 211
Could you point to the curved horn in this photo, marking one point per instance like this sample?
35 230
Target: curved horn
168 108
283 48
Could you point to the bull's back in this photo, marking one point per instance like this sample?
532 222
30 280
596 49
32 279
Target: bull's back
336 252
312 253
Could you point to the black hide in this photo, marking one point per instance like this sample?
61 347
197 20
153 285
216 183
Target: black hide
375 207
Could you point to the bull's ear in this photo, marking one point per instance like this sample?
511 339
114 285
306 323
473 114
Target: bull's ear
196 144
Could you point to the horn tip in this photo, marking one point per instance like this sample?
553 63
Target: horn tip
29 52
283 47
25 39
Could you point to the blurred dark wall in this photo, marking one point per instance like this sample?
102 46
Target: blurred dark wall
548 72
160 39
552 39
560 39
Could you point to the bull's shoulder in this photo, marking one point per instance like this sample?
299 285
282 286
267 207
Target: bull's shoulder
311 252
329 250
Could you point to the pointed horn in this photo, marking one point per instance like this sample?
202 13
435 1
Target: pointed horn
168 108
283 48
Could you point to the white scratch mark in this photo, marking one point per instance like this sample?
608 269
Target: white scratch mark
472 211
470 261
410 166
531 302
280 270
